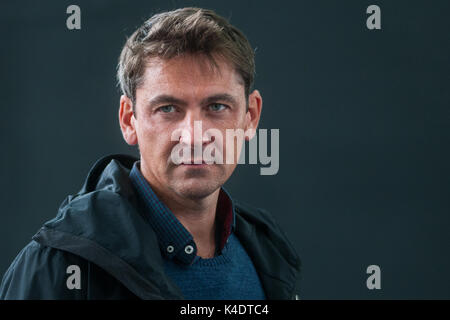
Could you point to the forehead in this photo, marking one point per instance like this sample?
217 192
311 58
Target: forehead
189 76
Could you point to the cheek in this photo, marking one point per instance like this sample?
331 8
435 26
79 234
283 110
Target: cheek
155 140
146 135
231 144
233 121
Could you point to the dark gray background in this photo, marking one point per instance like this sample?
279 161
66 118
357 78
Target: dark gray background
363 116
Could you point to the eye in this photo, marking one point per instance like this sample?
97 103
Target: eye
217 107
166 109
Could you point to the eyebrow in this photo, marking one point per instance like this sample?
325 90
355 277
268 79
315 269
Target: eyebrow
168 99
225 97
165 99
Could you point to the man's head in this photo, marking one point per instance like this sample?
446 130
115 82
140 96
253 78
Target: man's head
180 67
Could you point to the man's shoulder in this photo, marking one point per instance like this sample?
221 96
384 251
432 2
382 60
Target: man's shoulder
255 215
41 256
269 247
261 222
40 272
44 272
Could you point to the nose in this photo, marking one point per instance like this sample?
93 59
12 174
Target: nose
192 128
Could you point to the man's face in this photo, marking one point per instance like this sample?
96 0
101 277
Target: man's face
175 93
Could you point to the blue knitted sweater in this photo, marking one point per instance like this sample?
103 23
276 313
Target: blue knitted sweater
228 276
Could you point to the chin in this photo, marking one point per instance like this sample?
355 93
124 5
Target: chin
196 188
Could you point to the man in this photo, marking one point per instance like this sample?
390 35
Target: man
155 228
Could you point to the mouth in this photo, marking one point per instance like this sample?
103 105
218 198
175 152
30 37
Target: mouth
195 164
203 163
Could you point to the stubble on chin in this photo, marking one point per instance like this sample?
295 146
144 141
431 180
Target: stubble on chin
196 184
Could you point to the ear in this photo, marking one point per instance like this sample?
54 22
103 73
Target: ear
127 120
253 113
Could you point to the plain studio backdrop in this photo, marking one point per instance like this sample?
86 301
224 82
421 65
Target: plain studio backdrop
363 116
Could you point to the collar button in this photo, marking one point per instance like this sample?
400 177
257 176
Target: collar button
189 249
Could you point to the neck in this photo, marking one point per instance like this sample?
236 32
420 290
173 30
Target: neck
198 216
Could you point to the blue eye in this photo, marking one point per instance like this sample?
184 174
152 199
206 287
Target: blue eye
167 109
217 107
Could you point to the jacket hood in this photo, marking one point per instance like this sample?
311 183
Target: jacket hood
103 223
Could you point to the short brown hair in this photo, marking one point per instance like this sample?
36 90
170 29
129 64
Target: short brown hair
187 30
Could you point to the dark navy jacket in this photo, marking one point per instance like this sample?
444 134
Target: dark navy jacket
101 230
